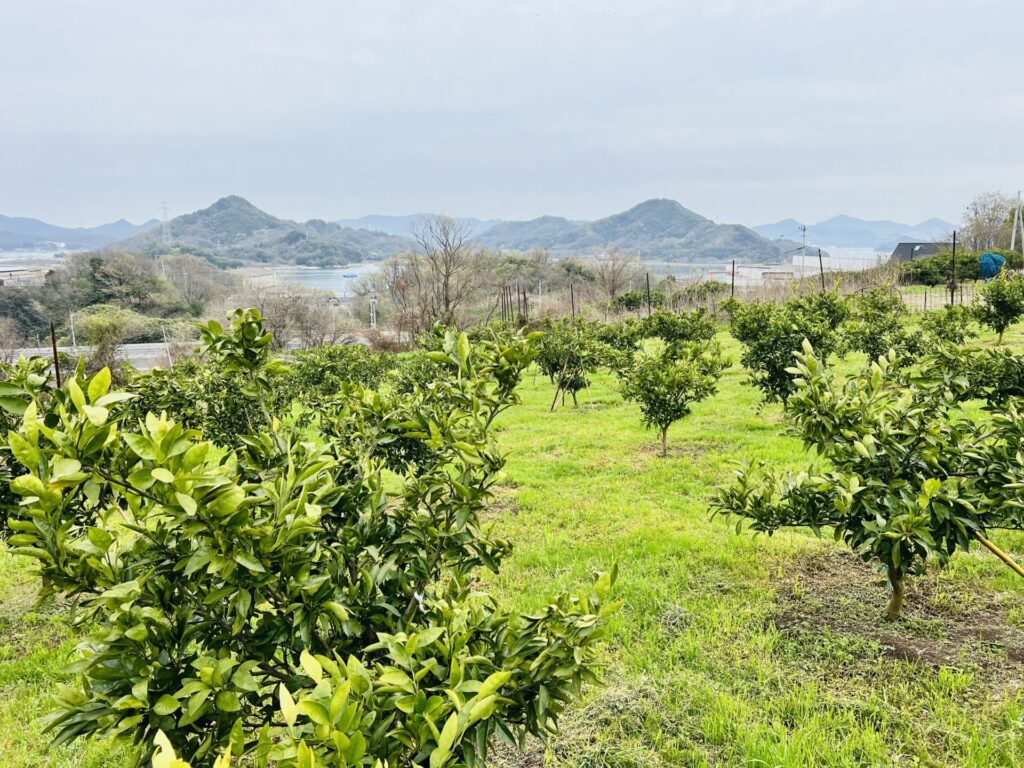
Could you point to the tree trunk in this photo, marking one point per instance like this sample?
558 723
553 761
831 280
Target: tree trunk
664 442
895 607
1000 339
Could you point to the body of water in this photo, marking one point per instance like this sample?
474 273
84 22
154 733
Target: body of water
30 259
341 281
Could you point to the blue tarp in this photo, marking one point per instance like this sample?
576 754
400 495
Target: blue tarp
989 265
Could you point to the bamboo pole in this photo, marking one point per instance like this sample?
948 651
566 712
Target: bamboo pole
1000 554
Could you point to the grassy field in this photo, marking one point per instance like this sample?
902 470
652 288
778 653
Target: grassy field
730 650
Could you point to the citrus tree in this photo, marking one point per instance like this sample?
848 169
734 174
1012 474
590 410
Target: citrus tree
666 385
273 601
1002 303
570 352
907 477
771 333
877 324
953 324
678 326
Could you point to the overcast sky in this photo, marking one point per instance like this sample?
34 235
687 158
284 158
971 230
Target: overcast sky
746 112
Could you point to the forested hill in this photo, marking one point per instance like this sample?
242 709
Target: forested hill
234 228
657 230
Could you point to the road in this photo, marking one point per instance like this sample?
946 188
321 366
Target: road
142 356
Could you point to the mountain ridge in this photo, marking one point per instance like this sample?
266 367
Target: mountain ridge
845 231
659 229
25 232
234 228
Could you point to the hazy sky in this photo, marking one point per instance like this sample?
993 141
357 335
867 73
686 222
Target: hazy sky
743 111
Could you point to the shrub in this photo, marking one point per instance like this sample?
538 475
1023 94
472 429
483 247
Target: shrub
908 477
666 386
1002 303
772 333
275 602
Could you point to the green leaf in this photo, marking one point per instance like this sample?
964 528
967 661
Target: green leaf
311 666
288 708
187 502
166 704
248 561
99 384
162 475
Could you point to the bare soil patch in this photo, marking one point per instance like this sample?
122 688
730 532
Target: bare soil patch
960 626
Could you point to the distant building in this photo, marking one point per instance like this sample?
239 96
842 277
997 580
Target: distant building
911 251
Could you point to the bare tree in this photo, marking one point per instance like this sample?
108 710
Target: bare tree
298 315
615 271
440 280
11 340
196 281
986 221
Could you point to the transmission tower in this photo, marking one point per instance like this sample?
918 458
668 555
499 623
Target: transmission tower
165 231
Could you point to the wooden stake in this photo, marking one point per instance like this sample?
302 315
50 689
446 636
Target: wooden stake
732 291
56 361
648 294
821 268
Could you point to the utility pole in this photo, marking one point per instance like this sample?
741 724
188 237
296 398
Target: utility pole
1018 224
803 248
373 309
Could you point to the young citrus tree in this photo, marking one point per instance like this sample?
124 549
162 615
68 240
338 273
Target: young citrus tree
674 327
877 323
276 601
953 324
666 385
771 333
569 352
907 477
1002 303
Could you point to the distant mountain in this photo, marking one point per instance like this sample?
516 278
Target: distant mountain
18 232
234 228
850 232
656 230
404 226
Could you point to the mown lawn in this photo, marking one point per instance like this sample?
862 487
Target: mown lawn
729 650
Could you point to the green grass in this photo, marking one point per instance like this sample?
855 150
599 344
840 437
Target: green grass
701 670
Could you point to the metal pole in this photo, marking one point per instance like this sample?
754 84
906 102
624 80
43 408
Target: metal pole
53 342
952 274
